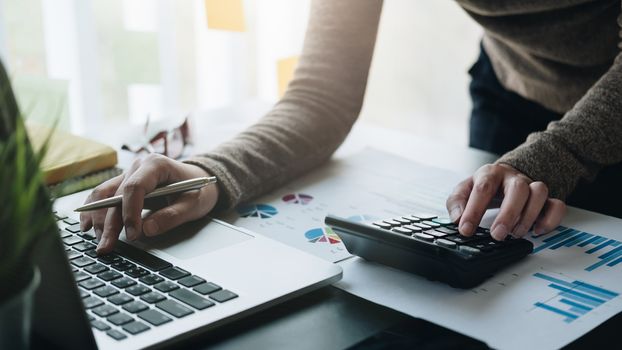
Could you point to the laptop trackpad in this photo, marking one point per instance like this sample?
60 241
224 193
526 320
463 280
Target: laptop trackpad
194 238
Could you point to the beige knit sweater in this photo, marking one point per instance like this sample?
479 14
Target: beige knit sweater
563 54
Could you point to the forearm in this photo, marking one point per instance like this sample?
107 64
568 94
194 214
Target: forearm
315 115
588 138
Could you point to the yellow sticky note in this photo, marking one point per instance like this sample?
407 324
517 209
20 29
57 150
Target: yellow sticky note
285 71
225 15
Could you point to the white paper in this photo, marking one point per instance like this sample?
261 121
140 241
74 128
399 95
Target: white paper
366 186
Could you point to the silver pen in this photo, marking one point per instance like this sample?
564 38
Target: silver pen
177 187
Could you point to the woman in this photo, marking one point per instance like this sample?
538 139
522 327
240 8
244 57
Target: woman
542 61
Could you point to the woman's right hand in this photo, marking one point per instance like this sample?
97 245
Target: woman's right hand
144 176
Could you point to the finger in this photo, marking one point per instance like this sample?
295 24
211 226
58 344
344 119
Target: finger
554 211
144 180
538 193
188 206
112 229
486 183
457 200
95 218
515 195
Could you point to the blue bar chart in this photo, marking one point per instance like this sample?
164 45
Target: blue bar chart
574 299
607 251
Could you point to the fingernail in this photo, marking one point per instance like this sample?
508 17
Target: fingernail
466 228
454 214
150 227
130 233
499 232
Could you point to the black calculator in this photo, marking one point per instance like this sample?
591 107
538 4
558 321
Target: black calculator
430 246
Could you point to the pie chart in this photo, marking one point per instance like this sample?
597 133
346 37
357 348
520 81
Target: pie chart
297 198
322 235
262 211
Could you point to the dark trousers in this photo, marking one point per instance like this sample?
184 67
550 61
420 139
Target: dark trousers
501 120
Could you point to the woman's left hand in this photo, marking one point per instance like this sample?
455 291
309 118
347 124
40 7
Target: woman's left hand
524 203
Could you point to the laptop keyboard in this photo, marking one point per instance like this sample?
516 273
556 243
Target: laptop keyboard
130 291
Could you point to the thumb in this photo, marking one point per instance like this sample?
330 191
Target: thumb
169 217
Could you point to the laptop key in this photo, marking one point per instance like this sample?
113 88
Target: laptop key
100 325
82 262
138 289
70 221
223 295
116 335
152 297
174 308
89 236
135 327
136 272
64 234
120 299
73 229
71 240
91 302
72 254
83 293
190 298
84 246
109 275
154 317
191 281
123 265
120 318
105 310
91 253
151 279
166 286
174 273
105 291
91 283
95 268
110 259
141 257
123 282
207 288
80 276
135 306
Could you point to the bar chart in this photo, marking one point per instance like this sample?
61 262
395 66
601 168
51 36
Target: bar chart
608 252
574 299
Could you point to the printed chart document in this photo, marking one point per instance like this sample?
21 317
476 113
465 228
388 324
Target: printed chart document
367 186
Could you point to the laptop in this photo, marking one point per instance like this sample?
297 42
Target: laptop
156 292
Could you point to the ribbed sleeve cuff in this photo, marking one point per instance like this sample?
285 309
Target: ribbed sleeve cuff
229 194
543 159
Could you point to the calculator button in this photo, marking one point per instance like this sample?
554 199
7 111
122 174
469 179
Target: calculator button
481 246
412 218
445 243
435 233
413 228
383 225
460 239
422 226
423 236
402 230
443 221
447 230
469 250
432 224
425 216
392 222
402 221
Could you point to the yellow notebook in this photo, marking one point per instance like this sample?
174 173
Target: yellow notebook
70 156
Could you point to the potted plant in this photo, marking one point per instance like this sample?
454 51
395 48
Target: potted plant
25 216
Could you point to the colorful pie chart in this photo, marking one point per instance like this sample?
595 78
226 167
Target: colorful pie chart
297 198
322 235
263 211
